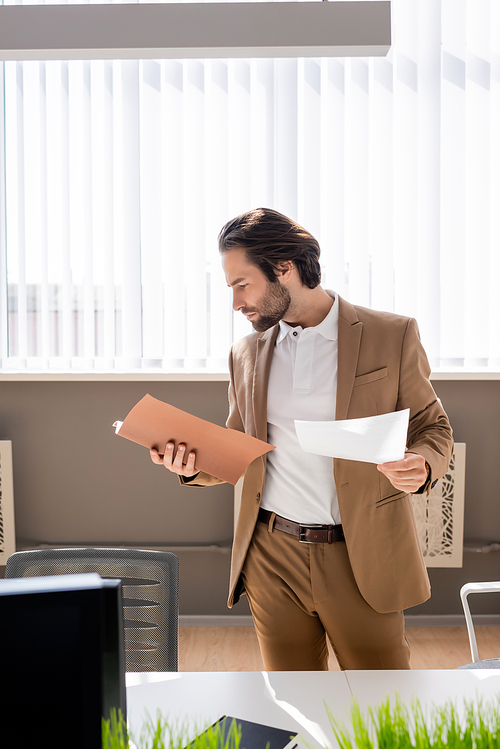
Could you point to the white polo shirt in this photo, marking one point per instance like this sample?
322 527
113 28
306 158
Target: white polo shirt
302 385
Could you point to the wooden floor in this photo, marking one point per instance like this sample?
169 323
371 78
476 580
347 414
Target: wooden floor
237 649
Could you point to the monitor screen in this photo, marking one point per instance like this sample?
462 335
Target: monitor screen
62 657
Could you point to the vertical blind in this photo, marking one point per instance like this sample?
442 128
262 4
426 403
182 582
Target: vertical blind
118 175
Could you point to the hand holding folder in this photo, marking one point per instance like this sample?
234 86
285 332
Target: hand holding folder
223 453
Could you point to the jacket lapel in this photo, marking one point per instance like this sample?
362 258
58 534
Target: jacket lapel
262 367
349 340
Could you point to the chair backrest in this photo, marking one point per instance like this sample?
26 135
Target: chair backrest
465 591
150 589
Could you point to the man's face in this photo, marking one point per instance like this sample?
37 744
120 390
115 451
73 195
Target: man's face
262 302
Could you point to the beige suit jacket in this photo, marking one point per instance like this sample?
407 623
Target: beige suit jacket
382 367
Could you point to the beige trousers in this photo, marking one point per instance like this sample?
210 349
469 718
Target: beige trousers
299 594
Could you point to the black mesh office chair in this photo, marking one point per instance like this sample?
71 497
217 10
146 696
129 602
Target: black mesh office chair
150 587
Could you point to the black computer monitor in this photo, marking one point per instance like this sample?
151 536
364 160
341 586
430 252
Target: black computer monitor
62 659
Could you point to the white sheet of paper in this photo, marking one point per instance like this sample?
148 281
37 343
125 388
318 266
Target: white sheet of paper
374 439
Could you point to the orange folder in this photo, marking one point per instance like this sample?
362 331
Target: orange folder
224 453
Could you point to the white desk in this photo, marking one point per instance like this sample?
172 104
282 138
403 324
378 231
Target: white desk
371 687
292 700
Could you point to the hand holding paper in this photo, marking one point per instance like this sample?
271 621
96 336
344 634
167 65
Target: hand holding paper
174 461
374 439
407 475
224 453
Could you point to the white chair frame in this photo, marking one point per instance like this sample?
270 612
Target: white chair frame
465 591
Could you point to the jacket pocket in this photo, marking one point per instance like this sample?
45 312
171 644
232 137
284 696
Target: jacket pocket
364 379
390 498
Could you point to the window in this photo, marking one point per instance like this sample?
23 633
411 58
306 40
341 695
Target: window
118 176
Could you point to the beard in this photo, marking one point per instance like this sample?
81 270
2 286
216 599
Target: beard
273 306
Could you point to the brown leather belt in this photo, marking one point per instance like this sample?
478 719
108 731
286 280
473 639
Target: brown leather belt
307 534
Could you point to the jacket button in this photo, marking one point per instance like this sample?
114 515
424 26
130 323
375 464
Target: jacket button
258 497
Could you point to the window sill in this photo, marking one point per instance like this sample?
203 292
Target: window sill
34 376
465 375
114 376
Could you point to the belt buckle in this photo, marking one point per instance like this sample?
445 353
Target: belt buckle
303 529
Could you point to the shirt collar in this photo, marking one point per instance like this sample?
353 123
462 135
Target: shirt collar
328 327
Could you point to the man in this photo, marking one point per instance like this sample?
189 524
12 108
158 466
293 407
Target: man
321 552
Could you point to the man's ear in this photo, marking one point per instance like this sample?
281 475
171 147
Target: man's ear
285 270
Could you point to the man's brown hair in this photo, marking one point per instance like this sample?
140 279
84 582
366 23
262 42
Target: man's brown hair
270 239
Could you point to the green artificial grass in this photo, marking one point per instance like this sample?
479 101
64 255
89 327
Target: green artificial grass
396 726
386 726
160 734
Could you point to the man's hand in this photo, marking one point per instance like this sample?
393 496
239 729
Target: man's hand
174 460
408 474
